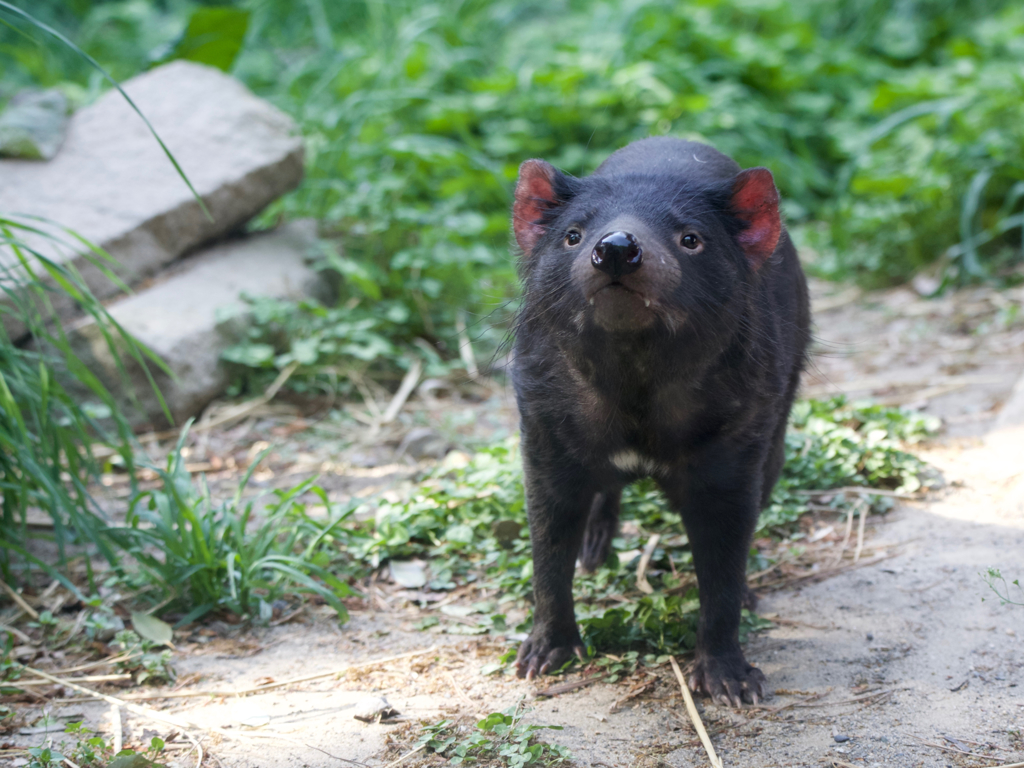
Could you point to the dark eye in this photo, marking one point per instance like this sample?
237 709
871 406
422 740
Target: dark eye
573 237
690 241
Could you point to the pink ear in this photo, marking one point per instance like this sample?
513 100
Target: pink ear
755 200
534 195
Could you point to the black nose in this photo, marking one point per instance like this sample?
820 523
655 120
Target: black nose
617 253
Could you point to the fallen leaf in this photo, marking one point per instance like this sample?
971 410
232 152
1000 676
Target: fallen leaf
151 628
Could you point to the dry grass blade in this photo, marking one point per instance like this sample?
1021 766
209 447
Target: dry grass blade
117 659
17 598
17 633
645 559
636 691
862 507
956 751
846 537
824 573
240 411
146 712
555 690
283 683
691 710
458 689
115 724
85 679
861 490
867 698
270 734
406 756
409 382
466 346
841 299
799 702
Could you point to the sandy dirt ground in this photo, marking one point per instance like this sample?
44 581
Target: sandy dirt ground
908 661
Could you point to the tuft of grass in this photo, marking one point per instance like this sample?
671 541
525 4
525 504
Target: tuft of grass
195 556
47 430
53 410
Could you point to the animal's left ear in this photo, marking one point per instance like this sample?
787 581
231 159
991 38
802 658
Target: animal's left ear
535 194
755 200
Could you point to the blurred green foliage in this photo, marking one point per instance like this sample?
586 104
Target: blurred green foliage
894 129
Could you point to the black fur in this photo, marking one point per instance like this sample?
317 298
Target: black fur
694 390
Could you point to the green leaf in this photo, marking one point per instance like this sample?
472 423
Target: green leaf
214 36
151 628
134 760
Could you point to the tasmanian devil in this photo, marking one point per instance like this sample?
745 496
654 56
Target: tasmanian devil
662 334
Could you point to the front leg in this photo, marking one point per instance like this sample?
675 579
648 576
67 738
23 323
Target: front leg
718 499
558 501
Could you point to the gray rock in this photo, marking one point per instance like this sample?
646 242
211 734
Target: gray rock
190 316
423 443
33 125
411 574
112 184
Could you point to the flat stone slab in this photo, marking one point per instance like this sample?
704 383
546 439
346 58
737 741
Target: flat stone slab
177 317
112 184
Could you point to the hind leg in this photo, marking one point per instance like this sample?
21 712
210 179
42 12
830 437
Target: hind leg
602 525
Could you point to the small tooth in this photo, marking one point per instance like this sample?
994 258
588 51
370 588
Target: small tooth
647 302
591 301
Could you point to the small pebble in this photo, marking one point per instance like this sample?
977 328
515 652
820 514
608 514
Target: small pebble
373 709
840 738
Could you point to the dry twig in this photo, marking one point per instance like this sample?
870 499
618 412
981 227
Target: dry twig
458 690
17 598
409 382
115 724
241 410
645 559
956 751
555 690
85 679
859 489
465 346
691 710
637 690
146 712
403 758
862 507
17 633
283 683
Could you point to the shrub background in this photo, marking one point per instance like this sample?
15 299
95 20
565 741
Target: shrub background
895 130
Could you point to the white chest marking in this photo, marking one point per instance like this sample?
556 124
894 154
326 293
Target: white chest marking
631 461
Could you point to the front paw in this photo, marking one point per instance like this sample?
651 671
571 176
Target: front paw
547 649
728 679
